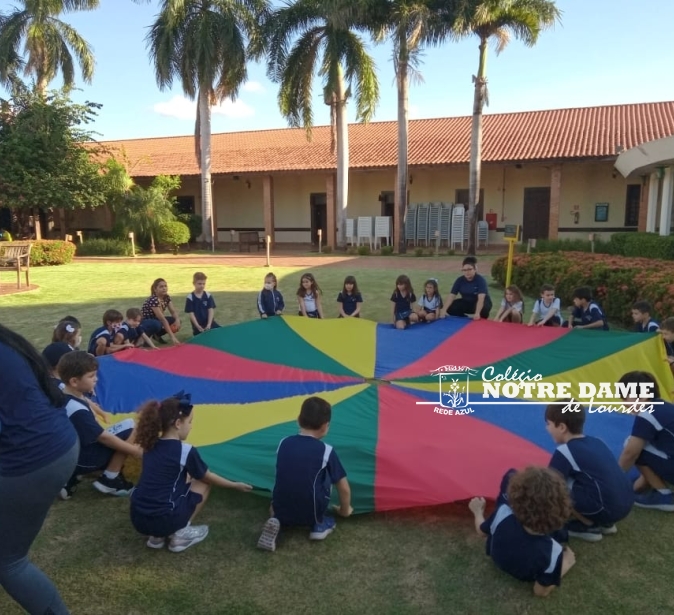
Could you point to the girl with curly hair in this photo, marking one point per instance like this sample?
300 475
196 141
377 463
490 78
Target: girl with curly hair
175 481
523 533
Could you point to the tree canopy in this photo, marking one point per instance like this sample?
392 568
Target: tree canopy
48 155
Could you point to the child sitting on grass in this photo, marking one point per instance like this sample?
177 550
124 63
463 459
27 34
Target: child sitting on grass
100 449
131 333
600 492
175 482
402 300
270 300
547 309
650 446
306 469
200 306
101 341
586 314
512 306
532 504
641 315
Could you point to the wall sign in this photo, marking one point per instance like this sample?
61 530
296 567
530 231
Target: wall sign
601 212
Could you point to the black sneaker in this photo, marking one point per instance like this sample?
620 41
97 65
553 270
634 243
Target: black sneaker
70 487
114 486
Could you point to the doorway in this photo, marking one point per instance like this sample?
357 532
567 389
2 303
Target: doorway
536 215
318 202
387 200
462 197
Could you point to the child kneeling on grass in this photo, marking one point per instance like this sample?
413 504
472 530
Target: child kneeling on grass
100 449
174 482
532 505
600 491
306 469
650 446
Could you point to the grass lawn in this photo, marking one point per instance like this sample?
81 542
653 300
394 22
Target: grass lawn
423 561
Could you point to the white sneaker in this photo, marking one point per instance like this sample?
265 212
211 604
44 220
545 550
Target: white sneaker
155 543
269 534
188 536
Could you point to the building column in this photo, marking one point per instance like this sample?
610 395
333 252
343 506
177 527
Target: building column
652 212
268 197
666 206
643 205
214 213
555 200
330 190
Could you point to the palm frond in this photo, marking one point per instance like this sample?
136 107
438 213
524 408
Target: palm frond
70 39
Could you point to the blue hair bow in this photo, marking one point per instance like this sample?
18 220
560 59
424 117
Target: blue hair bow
184 402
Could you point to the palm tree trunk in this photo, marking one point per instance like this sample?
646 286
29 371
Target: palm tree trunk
153 249
400 211
208 232
342 191
476 146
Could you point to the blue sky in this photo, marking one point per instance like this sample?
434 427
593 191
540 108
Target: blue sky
611 54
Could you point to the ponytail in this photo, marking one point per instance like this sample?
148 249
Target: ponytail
156 418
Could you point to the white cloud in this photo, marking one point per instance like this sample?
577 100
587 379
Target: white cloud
253 86
184 109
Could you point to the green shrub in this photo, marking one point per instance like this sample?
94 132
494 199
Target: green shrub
648 245
327 249
563 245
616 281
173 234
105 247
193 222
418 251
386 250
364 250
51 252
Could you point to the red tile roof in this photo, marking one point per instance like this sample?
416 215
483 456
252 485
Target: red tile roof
560 134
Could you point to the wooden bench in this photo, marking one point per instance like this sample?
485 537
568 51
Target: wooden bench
248 239
16 255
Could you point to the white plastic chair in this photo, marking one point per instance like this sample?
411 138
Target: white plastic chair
365 230
349 231
382 230
483 232
458 235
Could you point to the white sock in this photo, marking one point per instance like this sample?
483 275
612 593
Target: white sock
665 491
110 475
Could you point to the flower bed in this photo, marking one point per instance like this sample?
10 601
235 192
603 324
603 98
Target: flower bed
616 281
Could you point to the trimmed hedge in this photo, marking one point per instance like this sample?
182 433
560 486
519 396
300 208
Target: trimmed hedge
173 234
616 281
104 247
51 252
649 245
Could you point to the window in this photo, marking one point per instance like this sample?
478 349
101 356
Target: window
185 204
632 202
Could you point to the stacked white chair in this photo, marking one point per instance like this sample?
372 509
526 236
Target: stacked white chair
422 223
482 233
365 230
411 225
458 235
382 230
350 239
445 223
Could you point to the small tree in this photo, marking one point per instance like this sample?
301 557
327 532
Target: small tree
174 234
47 157
138 209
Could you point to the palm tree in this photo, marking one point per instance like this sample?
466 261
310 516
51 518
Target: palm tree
202 43
411 25
326 44
49 43
496 20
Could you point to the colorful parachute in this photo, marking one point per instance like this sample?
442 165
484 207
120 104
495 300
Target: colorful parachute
409 422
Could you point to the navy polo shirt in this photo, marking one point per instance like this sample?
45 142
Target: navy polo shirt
130 333
349 302
199 306
469 290
163 479
594 477
306 469
593 313
650 327
100 333
403 304
525 556
84 422
657 429
33 433
669 349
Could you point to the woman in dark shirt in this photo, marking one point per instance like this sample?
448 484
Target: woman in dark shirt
38 453
475 301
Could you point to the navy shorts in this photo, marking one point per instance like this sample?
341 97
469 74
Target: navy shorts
166 525
664 468
96 456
